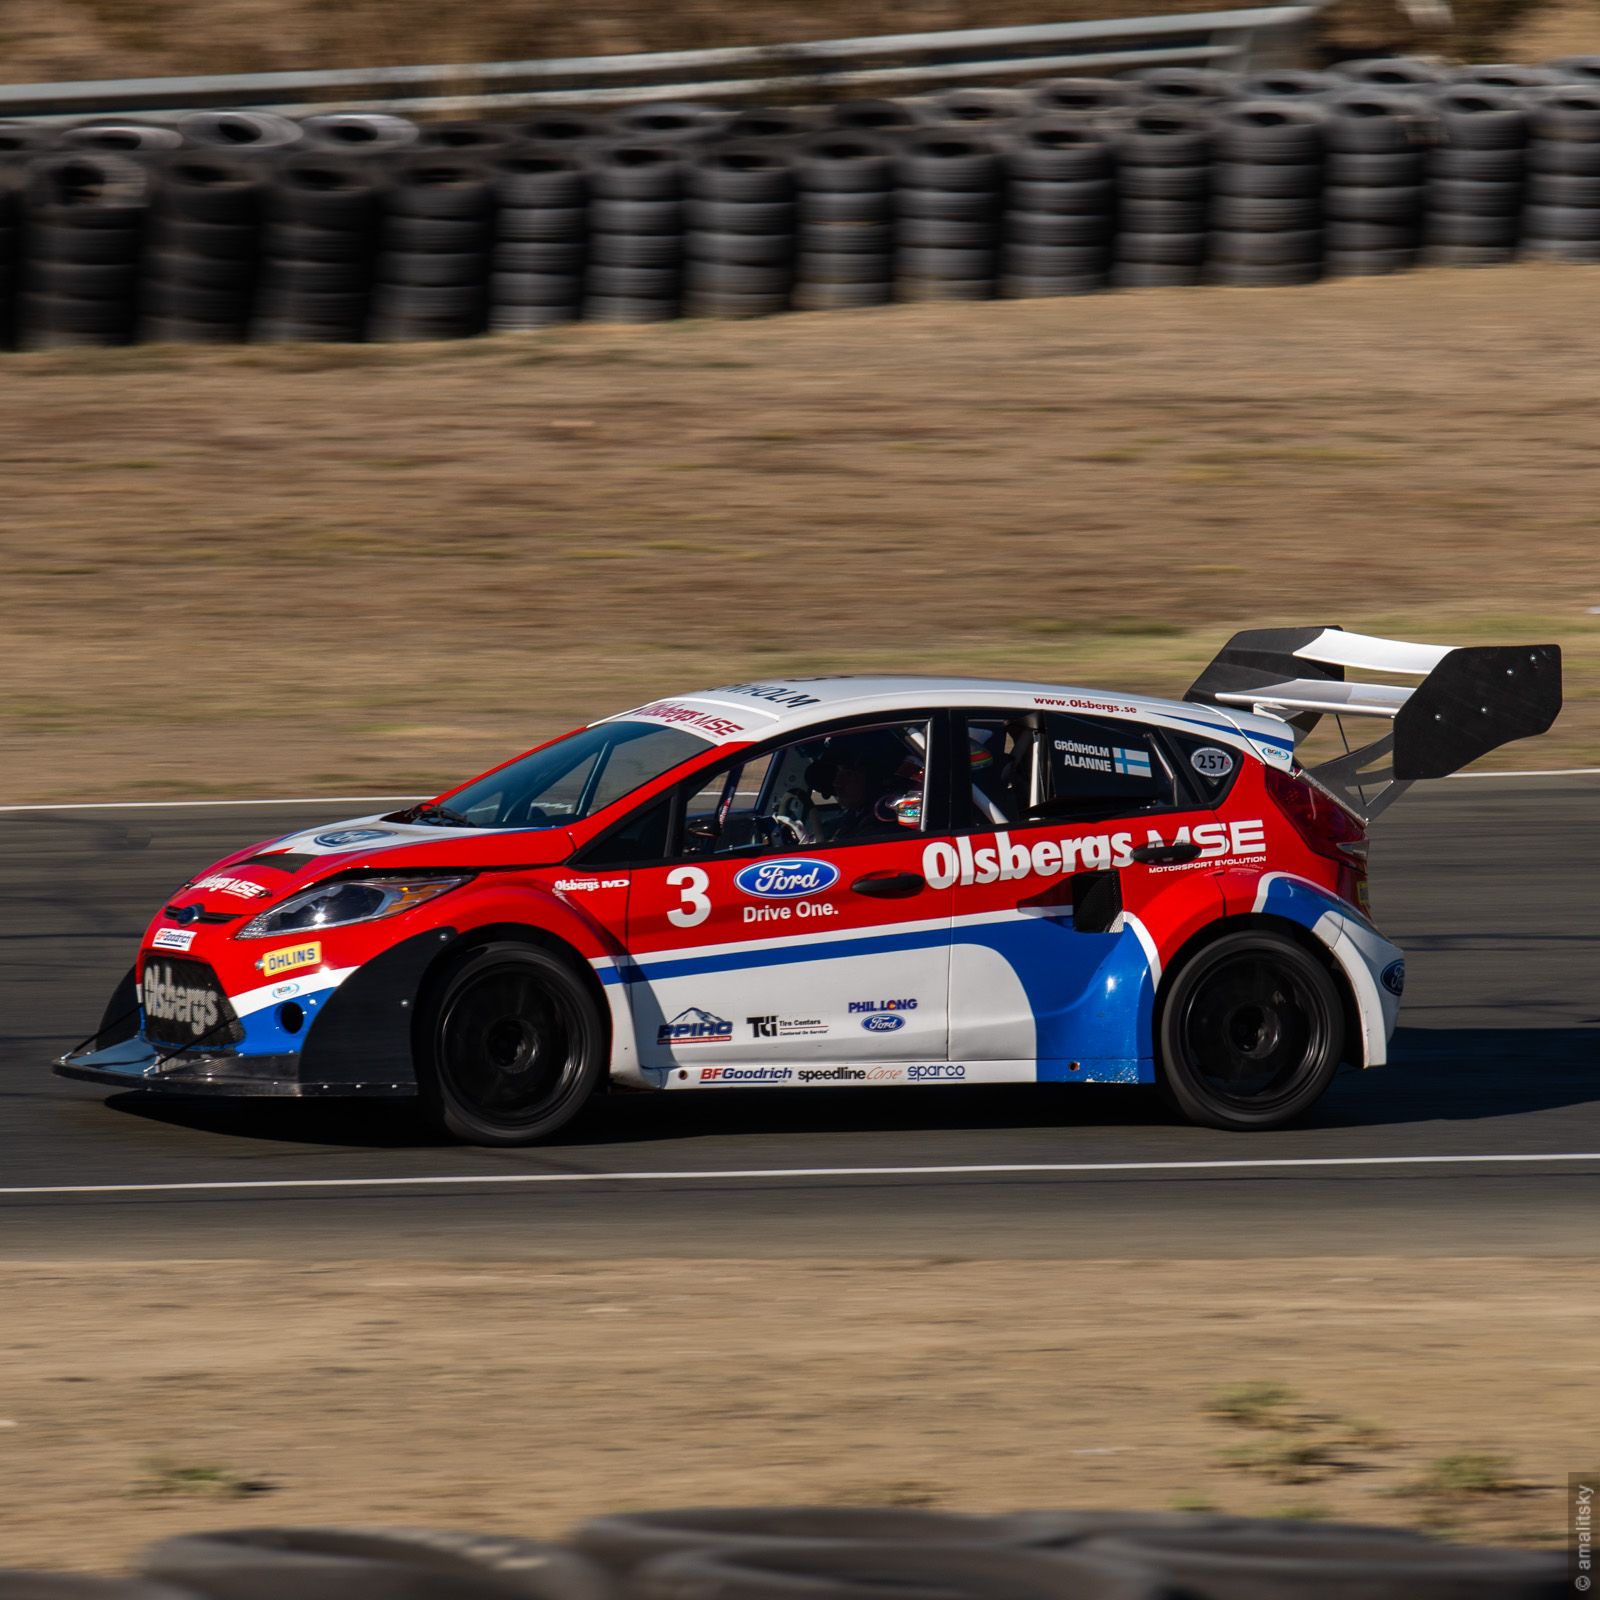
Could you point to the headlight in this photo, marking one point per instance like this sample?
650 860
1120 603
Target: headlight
347 900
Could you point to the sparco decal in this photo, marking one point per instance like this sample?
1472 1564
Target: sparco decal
784 880
188 1005
936 1072
975 860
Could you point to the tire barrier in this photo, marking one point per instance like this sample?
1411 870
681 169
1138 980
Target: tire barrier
362 224
199 269
431 274
244 133
1163 184
1266 194
740 231
828 1553
541 239
635 234
83 223
10 251
1060 211
947 213
124 138
319 213
844 220
1561 215
1375 170
1475 178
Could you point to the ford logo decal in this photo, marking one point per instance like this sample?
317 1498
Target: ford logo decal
787 879
345 837
884 1024
1394 977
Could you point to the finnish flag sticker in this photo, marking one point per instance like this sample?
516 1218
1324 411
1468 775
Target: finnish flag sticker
1130 763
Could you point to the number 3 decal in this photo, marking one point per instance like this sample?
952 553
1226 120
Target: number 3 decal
693 905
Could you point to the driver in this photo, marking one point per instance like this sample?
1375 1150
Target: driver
865 782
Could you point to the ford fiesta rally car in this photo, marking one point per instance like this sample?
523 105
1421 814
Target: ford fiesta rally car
840 881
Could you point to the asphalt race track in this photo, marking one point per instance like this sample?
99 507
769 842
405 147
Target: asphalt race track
1482 1138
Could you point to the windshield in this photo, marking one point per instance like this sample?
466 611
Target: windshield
572 778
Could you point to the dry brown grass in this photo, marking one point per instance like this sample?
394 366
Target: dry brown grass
367 570
46 40
520 1396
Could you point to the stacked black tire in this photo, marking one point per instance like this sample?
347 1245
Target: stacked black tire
1266 194
635 234
541 239
1561 219
319 219
1475 178
947 201
1375 176
83 233
1163 172
431 278
844 242
11 180
740 218
1060 209
199 277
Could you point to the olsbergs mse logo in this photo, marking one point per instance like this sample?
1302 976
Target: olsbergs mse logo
787 879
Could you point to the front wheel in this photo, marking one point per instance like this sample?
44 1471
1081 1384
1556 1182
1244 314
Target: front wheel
1251 1033
510 1046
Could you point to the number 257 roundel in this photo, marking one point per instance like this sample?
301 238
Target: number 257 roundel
787 879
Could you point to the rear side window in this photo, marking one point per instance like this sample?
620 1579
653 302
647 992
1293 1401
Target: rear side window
1093 769
1208 768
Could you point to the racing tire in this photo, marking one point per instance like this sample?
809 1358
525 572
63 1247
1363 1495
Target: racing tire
1367 263
1394 170
822 293
510 1046
886 118
1080 95
1250 1033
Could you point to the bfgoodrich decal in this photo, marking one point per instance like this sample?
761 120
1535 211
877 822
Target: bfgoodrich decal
977 860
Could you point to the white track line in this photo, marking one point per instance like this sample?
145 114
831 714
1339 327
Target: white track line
514 1179
356 799
168 805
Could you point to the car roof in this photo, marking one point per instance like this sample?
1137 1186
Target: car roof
755 710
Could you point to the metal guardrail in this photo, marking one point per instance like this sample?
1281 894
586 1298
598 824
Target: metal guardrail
1240 39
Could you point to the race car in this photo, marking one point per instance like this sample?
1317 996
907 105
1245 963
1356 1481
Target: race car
841 882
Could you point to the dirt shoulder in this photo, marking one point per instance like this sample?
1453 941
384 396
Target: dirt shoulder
373 570
145 1399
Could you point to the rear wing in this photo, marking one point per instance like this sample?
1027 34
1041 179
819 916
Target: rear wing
1470 700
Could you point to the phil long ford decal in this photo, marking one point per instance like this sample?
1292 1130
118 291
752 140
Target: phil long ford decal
787 879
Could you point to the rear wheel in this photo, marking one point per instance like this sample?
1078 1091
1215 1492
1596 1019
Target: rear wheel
511 1046
1251 1033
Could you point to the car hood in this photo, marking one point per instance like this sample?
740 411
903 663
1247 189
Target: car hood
262 873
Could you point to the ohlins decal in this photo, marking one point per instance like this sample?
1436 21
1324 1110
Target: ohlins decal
999 858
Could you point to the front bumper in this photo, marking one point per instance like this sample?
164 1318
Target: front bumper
136 1064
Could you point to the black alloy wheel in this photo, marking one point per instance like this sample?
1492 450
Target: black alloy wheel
512 1045
1251 1033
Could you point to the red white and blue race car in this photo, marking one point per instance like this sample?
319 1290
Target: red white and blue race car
840 881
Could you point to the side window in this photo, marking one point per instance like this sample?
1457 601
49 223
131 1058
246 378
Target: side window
640 837
998 783
1210 768
1092 770
849 787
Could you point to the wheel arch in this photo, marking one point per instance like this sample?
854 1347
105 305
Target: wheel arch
511 933
1297 933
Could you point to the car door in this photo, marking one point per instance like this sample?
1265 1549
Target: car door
1068 828
791 926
